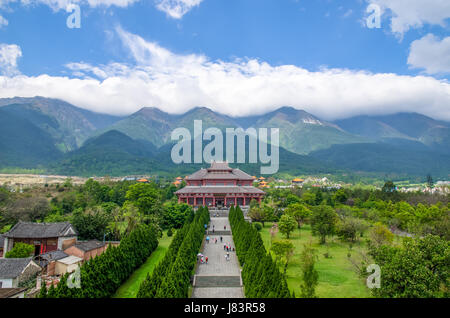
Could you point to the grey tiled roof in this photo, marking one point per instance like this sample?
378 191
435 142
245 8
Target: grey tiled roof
219 166
53 256
13 267
89 245
44 259
10 292
39 230
220 189
233 174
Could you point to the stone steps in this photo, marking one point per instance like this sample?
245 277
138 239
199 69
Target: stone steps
217 281
218 233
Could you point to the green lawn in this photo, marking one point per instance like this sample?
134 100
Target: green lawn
130 288
337 278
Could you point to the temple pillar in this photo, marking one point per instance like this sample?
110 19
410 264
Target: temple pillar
235 201
214 201
204 203
244 201
195 201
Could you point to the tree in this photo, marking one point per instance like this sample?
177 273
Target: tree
389 187
417 268
283 249
299 211
91 224
380 235
340 196
146 197
349 228
309 198
310 276
287 224
20 250
319 196
26 209
430 181
323 221
258 214
292 198
174 214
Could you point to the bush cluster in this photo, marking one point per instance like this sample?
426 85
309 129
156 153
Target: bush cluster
101 276
172 277
260 274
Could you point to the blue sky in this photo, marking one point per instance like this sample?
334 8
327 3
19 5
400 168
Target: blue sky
319 38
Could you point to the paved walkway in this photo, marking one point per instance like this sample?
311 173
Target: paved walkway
220 278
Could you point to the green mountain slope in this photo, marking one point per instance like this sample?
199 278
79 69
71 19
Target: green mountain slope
155 126
300 132
116 154
386 158
69 126
407 126
112 153
23 144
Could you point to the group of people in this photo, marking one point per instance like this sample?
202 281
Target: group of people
226 247
202 258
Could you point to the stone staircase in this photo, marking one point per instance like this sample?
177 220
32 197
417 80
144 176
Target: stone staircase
217 281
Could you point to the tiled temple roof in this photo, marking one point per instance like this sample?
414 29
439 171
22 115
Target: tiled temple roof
219 189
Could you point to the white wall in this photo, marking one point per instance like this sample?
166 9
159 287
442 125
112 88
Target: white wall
7 282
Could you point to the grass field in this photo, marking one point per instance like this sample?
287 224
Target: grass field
337 278
130 288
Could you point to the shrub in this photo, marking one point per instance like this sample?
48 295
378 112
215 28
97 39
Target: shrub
257 226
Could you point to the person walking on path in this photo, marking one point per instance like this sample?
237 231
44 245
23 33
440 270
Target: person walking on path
224 247
207 239
221 239
224 227
206 259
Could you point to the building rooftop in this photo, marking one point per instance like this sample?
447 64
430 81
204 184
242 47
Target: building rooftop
13 267
41 230
69 260
87 246
10 292
224 174
219 189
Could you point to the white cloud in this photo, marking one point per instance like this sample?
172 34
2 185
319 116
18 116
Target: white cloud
348 13
176 83
57 5
9 54
3 22
431 54
407 14
177 8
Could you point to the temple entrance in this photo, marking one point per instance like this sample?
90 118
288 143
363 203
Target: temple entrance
219 203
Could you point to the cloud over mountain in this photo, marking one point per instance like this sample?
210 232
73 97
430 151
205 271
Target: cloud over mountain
175 83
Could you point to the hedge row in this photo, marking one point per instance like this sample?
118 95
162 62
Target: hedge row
260 274
172 277
101 276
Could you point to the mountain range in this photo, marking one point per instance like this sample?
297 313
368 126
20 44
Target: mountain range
58 137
